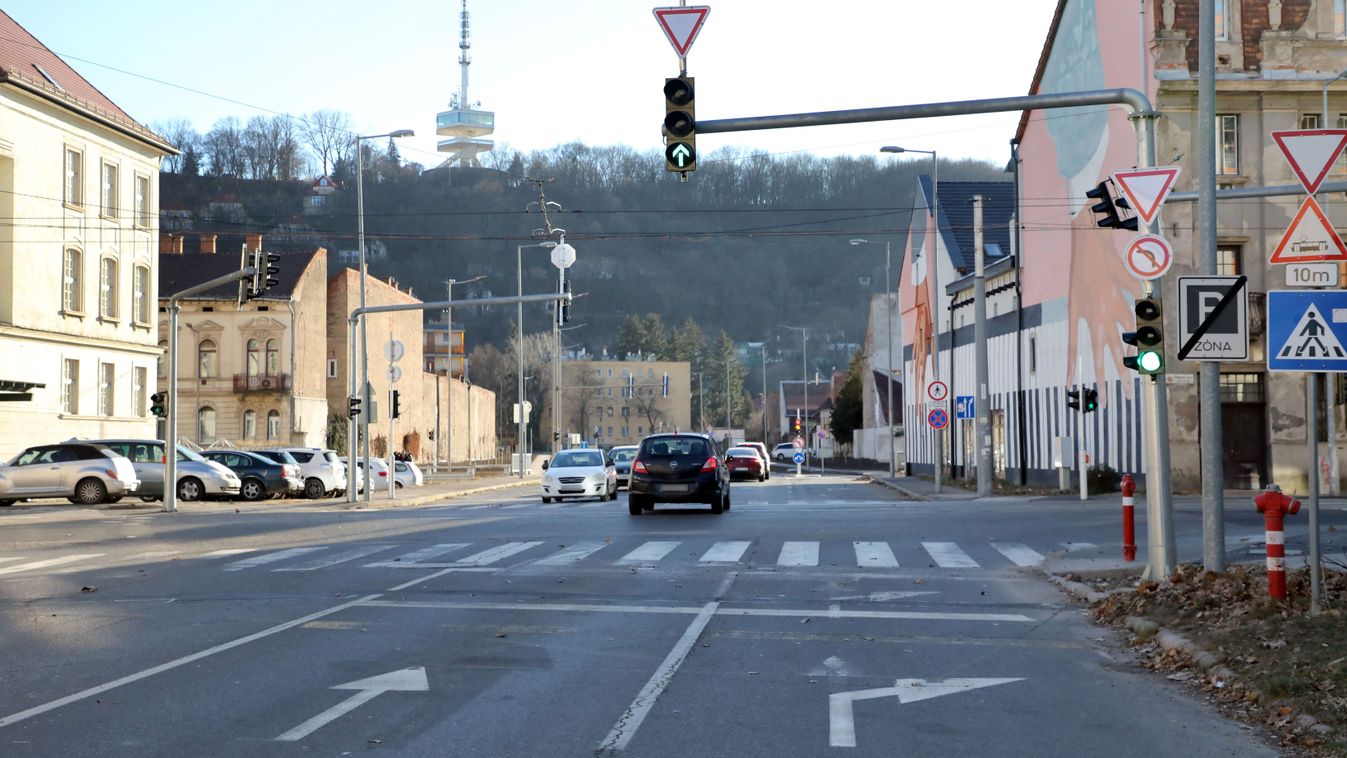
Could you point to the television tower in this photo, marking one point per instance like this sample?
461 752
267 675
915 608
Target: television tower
463 124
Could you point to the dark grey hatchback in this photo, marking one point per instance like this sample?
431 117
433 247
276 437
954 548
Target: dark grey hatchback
678 468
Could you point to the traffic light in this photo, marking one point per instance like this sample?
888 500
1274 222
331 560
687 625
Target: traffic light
564 306
159 404
795 424
264 274
1073 399
353 406
1148 339
1108 208
396 405
680 124
1089 400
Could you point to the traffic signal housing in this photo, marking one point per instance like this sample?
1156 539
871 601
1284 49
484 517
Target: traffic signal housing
1148 339
1107 207
396 411
1073 399
1089 400
159 404
795 424
352 406
564 306
680 124
264 274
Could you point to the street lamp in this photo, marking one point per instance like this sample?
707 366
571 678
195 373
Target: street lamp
556 381
449 374
804 366
364 320
519 343
888 347
933 265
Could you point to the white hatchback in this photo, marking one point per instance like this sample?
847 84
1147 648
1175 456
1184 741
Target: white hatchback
582 472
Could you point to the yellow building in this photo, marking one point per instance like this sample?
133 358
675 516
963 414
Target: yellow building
612 403
77 281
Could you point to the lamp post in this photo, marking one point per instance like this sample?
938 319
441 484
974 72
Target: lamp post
364 335
563 255
804 367
888 345
519 343
933 264
556 382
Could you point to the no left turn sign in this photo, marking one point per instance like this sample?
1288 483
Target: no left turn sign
1149 257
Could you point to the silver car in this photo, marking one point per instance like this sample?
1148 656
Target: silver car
197 477
82 472
322 471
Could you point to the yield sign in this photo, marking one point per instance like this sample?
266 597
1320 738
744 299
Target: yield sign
1146 189
681 25
1309 238
1311 153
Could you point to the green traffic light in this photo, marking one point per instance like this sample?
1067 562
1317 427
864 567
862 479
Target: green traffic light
1150 361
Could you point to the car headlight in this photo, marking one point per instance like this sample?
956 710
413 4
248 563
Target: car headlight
596 478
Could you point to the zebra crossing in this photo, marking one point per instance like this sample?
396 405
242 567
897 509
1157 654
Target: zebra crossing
760 553
534 505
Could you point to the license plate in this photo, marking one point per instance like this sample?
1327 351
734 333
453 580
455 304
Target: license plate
671 488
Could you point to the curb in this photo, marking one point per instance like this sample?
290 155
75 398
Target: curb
427 499
896 488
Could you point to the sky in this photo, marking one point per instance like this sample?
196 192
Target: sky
556 72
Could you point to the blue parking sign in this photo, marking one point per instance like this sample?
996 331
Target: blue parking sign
1307 330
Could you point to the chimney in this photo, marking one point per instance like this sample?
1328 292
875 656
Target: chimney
170 244
208 244
252 241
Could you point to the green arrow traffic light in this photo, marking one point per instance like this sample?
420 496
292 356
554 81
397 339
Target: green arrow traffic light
680 155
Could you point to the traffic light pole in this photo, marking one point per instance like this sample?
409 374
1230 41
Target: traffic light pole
171 419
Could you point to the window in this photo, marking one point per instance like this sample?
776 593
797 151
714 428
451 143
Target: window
140 378
1227 144
205 424
72 295
70 386
74 177
1229 260
249 425
273 425
162 367
273 356
106 377
1309 121
1222 19
1033 353
110 190
331 368
140 295
205 363
1340 18
1241 388
107 289
254 357
142 202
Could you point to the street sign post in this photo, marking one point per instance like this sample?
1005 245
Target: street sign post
681 25
1307 330
1148 257
1213 318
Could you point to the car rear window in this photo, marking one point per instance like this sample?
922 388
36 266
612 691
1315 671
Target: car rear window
624 455
675 447
741 451
331 457
301 457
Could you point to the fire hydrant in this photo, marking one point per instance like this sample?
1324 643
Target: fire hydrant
1129 488
1275 506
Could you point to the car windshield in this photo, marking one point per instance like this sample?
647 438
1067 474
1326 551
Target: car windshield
578 459
280 456
624 454
676 447
188 454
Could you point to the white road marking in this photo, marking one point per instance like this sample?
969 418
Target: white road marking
15 558
1020 555
416 556
650 552
571 554
407 680
948 555
815 613
725 552
227 552
1075 547
333 559
153 554
500 552
265 558
842 724
631 719
47 563
797 554
516 507
877 554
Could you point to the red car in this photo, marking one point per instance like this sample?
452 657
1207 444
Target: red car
745 462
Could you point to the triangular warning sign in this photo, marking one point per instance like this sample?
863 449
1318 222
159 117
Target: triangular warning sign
1310 237
1312 338
1311 153
681 25
1146 189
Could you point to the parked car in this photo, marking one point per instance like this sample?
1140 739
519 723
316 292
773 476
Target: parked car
786 452
197 477
761 448
260 477
580 472
744 462
407 474
82 472
378 474
678 468
622 458
294 473
322 470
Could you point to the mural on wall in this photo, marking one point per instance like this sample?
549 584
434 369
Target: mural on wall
917 295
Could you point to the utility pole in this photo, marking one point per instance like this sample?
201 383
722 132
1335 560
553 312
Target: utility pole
1209 387
764 390
981 399
701 404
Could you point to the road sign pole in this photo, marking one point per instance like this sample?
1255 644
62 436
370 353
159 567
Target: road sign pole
1312 427
981 403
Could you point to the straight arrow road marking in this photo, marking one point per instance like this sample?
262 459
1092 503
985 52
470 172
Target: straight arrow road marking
841 721
406 680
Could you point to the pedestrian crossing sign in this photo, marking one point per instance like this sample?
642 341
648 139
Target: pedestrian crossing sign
1307 330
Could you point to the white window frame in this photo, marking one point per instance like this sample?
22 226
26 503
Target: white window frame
107 389
141 201
108 274
70 386
201 416
140 295
109 183
1340 18
1222 16
273 425
72 281
1224 120
331 368
250 424
73 174
139 383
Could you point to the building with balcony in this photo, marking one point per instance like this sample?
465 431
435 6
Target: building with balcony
79 182
620 402
442 349
250 375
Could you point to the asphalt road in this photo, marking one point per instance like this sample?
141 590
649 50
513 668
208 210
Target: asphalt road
818 616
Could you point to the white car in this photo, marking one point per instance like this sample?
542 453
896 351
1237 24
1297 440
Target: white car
407 474
786 452
378 474
581 472
322 471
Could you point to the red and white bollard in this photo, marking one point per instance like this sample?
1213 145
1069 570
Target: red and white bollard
1129 488
1275 506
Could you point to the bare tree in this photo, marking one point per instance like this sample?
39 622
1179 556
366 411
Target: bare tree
181 134
260 148
650 405
223 147
328 134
